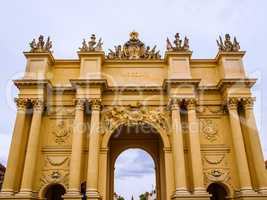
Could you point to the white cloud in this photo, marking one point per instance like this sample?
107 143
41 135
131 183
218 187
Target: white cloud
134 167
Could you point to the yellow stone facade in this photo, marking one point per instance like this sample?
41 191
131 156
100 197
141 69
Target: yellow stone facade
193 116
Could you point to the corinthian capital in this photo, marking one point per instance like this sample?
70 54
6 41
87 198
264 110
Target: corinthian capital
175 103
248 102
38 104
191 103
79 103
232 103
95 103
21 103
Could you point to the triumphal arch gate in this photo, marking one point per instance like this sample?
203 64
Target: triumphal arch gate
193 116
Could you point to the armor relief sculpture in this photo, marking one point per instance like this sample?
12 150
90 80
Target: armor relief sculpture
190 159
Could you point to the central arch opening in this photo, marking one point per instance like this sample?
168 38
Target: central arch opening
140 147
135 175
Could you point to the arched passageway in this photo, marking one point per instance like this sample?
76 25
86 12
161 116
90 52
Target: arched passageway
143 137
134 174
55 192
217 191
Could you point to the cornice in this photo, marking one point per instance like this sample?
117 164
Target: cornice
169 54
92 54
226 83
32 83
230 54
48 55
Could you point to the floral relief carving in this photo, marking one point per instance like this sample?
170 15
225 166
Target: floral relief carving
209 129
62 132
134 116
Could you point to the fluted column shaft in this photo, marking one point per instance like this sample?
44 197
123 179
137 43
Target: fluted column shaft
76 154
32 148
178 149
253 135
195 152
239 147
93 153
12 173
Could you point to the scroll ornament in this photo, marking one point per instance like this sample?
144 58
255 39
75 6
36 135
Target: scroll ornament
41 46
133 49
227 45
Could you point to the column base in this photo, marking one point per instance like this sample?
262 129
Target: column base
72 195
26 195
6 194
249 194
180 193
92 194
263 191
201 193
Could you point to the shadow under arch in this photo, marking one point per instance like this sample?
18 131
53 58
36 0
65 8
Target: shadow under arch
53 191
162 133
219 191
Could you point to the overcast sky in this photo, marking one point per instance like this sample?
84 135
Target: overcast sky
68 22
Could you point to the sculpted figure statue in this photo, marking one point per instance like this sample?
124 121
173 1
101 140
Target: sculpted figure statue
179 45
41 46
227 45
133 49
92 42
169 45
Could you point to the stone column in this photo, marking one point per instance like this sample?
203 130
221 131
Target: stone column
93 152
195 152
239 147
178 150
12 172
76 152
253 135
32 149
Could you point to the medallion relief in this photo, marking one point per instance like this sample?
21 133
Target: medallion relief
209 129
62 132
